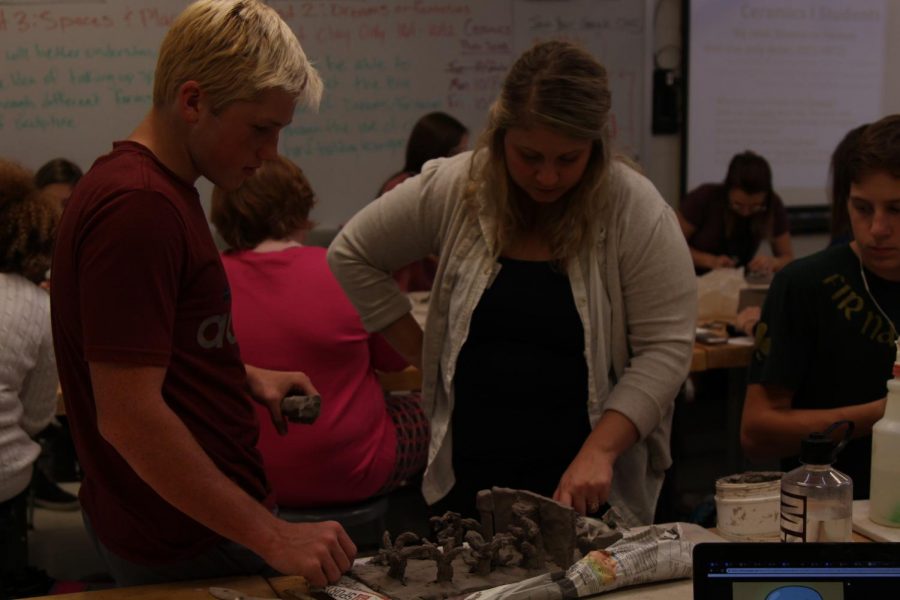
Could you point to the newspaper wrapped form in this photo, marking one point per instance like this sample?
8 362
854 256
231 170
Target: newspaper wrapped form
643 555
346 589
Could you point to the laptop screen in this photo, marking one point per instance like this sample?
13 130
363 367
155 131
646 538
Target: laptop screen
774 571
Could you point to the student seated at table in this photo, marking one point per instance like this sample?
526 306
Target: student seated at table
158 397
825 344
289 313
28 380
839 177
561 321
57 178
724 223
434 135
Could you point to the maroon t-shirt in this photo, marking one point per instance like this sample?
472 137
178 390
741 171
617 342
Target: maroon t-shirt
705 209
137 279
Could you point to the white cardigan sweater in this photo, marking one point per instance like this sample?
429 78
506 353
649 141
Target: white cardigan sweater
28 379
634 289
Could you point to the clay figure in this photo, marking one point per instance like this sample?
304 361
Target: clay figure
451 528
442 559
395 555
480 555
520 535
503 550
528 535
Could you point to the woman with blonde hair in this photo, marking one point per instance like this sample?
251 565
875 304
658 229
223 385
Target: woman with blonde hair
563 304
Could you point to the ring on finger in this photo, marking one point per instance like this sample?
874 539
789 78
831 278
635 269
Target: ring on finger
593 507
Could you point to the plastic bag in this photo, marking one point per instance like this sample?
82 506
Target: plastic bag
718 292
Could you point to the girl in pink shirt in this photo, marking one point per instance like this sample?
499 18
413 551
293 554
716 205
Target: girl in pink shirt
289 313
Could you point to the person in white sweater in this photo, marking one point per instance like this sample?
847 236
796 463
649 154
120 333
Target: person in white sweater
561 319
28 379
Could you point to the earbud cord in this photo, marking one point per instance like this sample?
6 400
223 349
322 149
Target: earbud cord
862 273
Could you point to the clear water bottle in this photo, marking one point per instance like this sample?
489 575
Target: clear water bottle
884 497
816 499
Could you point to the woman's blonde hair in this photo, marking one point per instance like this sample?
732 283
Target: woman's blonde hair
272 204
28 221
562 87
234 49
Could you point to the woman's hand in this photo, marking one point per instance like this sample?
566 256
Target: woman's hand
586 483
721 262
762 264
270 387
746 320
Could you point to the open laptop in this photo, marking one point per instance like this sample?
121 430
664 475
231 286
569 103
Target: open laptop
812 571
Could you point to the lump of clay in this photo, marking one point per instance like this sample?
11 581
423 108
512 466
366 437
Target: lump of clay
301 409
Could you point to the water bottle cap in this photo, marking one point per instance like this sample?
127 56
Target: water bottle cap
819 449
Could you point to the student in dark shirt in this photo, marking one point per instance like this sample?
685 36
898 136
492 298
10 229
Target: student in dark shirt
724 223
826 342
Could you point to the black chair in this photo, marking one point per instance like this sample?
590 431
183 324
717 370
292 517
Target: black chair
364 521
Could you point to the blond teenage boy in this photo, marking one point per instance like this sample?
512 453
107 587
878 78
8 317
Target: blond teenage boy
156 393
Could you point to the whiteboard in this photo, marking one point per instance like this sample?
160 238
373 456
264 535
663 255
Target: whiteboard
786 79
77 75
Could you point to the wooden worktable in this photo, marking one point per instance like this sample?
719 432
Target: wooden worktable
705 358
184 590
276 587
720 356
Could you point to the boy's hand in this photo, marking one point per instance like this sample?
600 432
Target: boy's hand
270 387
320 552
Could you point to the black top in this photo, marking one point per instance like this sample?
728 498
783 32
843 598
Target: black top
823 338
520 413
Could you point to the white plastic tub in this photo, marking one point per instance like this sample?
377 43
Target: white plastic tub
748 506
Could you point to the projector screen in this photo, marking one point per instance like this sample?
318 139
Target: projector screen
784 78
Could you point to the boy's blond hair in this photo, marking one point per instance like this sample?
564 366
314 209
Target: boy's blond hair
234 49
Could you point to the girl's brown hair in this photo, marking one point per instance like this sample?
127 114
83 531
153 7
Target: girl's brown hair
750 172
272 204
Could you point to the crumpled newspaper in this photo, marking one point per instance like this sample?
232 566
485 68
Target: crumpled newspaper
642 555
597 534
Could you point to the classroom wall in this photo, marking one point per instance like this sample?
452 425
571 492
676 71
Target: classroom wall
662 161
664 153
78 75
438 36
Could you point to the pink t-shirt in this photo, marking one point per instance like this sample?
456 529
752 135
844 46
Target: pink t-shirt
290 314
